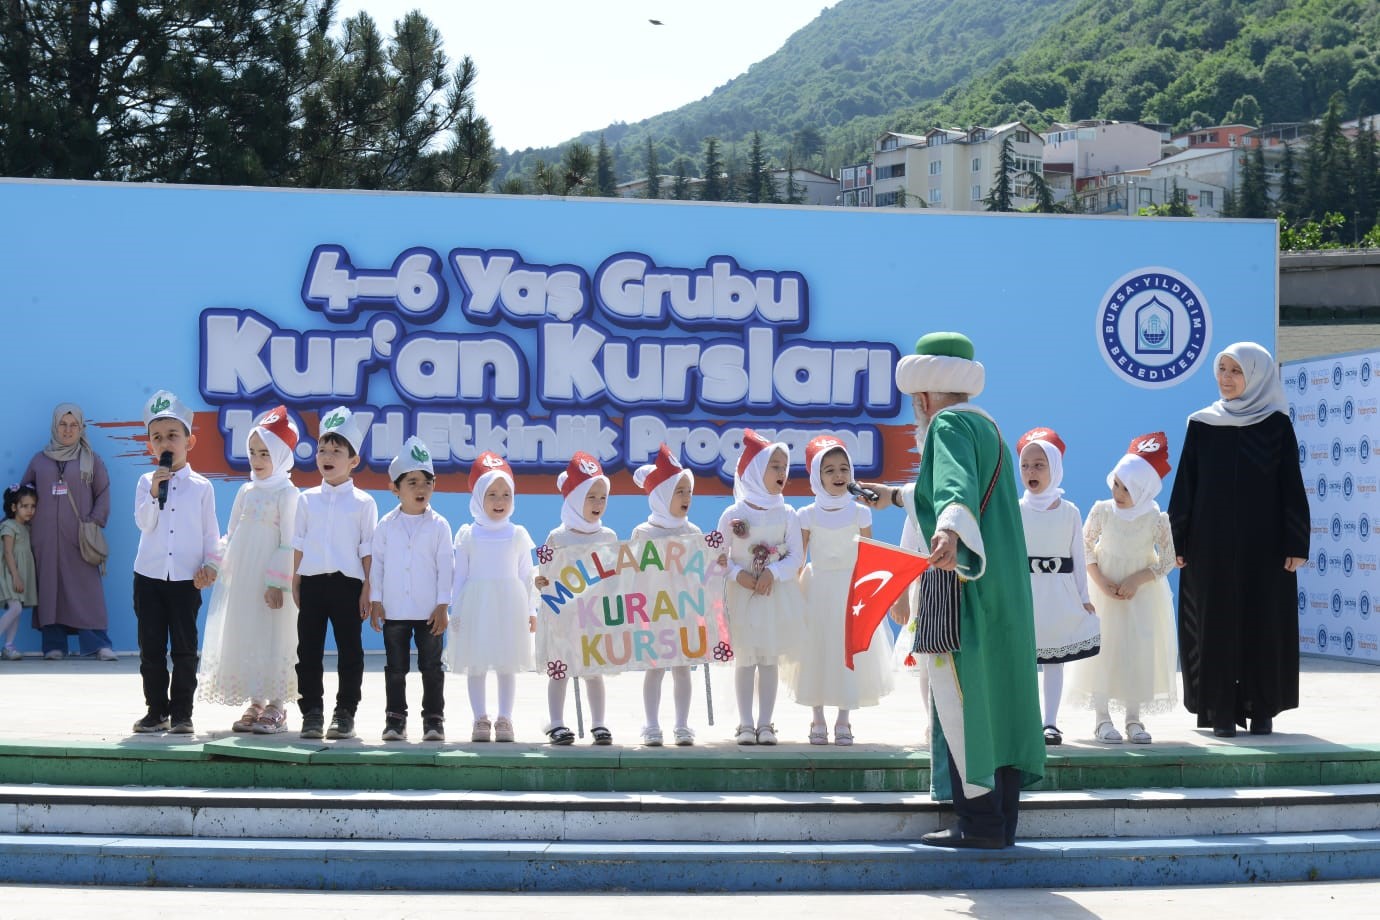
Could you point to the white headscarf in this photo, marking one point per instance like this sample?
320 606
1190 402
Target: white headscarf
1045 500
659 499
1262 396
481 517
1141 480
573 508
823 500
751 486
282 458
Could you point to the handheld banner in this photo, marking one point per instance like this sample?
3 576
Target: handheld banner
634 606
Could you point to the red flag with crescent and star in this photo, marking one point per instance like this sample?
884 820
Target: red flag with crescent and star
881 573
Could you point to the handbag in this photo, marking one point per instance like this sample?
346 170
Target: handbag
90 539
936 620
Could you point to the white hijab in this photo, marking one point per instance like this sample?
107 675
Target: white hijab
659 499
823 500
482 519
1141 480
1047 499
573 508
1262 396
282 458
751 486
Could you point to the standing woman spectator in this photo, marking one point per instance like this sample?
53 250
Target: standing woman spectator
70 596
1240 522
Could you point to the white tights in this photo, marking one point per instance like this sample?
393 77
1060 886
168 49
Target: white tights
507 691
9 622
1103 715
680 689
594 692
764 678
1054 691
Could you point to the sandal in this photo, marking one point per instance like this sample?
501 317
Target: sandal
819 734
746 735
766 734
1136 733
843 734
1106 733
560 735
245 723
1053 735
602 736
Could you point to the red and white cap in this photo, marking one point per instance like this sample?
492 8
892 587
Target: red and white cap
753 444
815 452
1047 435
1153 448
1142 470
487 468
660 479
279 434
574 483
749 482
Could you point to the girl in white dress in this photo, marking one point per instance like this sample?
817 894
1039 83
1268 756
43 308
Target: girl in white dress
492 602
669 487
250 651
829 528
585 489
762 601
1066 624
1130 551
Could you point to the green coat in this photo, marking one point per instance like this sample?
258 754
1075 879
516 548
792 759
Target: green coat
996 660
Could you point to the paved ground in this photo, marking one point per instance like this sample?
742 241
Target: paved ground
88 700
1354 900
1298 342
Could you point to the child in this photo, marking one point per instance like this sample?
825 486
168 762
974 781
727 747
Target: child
175 509
251 631
491 601
1130 551
669 487
1066 624
762 601
829 528
586 491
18 581
413 568
332 535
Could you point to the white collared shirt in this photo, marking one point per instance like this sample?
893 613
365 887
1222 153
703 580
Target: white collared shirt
334 529
413 566
179 539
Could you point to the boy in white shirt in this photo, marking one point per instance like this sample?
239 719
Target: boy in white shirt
175 510
414 566
331 541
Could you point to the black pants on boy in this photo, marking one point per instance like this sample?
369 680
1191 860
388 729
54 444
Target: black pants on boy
166 611
398 637
329 599
992 815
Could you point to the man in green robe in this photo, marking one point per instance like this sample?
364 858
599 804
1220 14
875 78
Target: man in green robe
987 743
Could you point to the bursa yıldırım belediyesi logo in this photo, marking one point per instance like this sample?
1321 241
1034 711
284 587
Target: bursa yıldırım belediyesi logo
1153 327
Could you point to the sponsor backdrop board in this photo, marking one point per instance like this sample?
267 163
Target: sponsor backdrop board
1333 404
536 327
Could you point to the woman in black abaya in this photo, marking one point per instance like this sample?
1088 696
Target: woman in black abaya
1240 522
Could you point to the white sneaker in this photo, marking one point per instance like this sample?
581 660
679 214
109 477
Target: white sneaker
107 654
684 737
55 655
651 736
10 654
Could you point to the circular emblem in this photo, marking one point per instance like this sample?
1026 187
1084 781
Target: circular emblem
1336 451
1336 526
1336 603
1363 605
1347 487
1336 376
1365 372
1348 563
1153 327
1349 641
1293 416
1348 410
1322 413
1303 602
1363 527
1363 449
1322 563
1303 453
1301 381
1322 639
1322 488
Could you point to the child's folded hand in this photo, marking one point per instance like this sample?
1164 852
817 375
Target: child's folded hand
273 597
438 620
376 616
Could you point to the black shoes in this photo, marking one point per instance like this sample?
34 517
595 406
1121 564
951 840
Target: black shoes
1262 725
394 728
433 729
313 725
150 723
953 837
182 727
342 725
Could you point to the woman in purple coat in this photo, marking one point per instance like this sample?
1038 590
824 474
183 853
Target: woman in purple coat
71 599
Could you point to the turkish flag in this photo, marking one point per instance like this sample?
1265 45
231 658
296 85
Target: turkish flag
881 573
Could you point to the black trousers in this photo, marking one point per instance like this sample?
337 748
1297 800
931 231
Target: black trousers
993 814
332 600
166 611
398 637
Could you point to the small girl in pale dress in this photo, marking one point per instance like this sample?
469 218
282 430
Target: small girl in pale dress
1066 623
829 528
492 605
669 487
762 600
1130 551
250 652
18 578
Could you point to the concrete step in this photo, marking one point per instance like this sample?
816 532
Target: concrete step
682 867
211 814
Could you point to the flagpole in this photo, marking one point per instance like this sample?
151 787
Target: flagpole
708 694
579 713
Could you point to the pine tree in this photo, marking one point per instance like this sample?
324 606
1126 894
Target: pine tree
757 183
1254 200
1327 165
578 170
680 188
604 179
999 198
1044 195
1289 203
652 169
713 187
793 195
1365 180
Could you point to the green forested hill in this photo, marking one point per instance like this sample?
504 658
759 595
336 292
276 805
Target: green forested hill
865 66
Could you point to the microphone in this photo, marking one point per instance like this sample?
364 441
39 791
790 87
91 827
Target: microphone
165 460
865 494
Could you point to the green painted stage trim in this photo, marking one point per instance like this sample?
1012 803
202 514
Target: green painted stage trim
294 764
